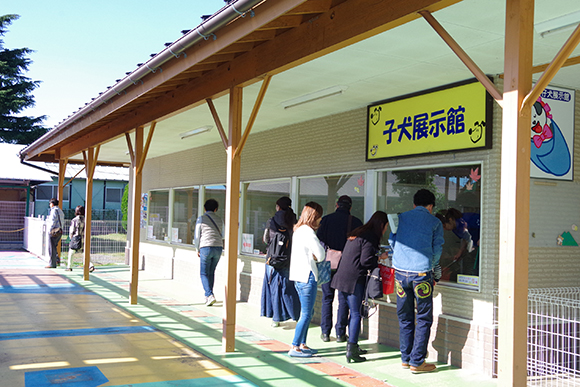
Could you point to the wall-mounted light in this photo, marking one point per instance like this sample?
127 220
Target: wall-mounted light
193 132
558 24
317 95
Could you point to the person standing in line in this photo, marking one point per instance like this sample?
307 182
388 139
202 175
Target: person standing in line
279 298
56 221
306 252
417 247
209 242
360 255
333 231
77 229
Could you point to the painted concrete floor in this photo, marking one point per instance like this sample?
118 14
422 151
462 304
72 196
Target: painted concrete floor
58 330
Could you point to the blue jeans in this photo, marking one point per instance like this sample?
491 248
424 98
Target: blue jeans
354 301
307 295
414 288
208 259
326 311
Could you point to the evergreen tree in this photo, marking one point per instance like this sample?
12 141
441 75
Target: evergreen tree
15 93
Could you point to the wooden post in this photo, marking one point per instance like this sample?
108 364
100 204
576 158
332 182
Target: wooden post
232 206
61 175
90 157
515 195
136 205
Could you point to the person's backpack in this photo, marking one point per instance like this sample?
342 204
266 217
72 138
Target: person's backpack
278 253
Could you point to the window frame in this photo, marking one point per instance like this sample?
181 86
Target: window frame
482 247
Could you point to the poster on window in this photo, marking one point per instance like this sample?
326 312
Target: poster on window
552 134
447 119
144 200
248 243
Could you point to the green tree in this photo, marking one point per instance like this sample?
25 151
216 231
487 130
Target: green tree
15 93
125 206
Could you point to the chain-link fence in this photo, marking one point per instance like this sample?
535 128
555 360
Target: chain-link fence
12 222
108 241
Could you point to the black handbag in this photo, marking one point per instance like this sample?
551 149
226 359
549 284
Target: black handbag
76 243
374 288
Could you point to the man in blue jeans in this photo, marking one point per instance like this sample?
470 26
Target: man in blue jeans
209 242
417 247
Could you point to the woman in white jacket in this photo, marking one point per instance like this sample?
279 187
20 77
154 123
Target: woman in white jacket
306 252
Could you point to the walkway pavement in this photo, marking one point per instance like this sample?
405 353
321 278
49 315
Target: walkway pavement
59 330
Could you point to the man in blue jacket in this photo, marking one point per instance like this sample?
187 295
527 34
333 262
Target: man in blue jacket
417 247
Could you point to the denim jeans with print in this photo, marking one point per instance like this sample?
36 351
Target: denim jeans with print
414 288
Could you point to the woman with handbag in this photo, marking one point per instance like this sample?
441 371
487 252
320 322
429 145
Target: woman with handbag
279 298
358 258
76 234
306 252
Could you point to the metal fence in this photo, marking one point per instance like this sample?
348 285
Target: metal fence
553 337
108 241
12 222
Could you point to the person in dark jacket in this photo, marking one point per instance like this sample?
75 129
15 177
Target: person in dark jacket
358 257
333 231
279 297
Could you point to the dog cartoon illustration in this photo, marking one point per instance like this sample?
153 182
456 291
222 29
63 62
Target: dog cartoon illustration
376 115
476 132
549 150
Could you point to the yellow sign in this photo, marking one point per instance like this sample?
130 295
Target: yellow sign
451 119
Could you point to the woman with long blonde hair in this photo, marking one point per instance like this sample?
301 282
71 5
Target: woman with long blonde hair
306 252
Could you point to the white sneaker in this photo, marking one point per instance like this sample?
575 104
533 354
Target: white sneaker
275 324
210 300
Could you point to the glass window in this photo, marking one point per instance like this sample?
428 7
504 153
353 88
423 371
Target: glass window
113 195
217 192
158 215
259 206
325 190
47 192
185 213
455 188
44 192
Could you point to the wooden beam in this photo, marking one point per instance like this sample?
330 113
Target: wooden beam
515 195
232 215
74 177
311 6
347 23
553 68
462 55
130 147
136 205
218 123
252 119
569 62
146 149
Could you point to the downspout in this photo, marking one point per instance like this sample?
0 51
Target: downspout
203 32
37 167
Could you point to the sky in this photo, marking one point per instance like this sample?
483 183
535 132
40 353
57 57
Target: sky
81 47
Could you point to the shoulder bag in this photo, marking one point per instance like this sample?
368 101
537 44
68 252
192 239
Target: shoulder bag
57 231
334 255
